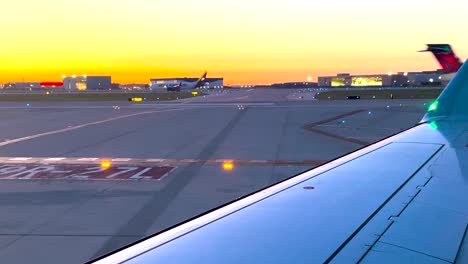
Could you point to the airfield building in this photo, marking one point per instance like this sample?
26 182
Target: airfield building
87 83
400 79
22 85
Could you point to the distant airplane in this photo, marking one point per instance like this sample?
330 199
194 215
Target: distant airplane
401 200
447 59
187 85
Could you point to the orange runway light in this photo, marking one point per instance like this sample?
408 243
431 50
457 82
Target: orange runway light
228 166
105 164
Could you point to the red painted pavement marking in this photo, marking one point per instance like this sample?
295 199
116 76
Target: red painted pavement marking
348 139
328 120
82 172
311 128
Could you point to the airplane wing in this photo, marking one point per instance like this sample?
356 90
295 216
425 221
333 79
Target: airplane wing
401 200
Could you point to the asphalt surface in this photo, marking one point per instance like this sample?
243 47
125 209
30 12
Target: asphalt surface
168 162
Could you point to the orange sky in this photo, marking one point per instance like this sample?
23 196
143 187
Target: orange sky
244 41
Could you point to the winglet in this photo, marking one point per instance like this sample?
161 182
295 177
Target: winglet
452 102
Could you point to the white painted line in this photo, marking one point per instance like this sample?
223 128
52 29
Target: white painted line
87 159
156 160
123 160
19 159
242 97
82 126
167 173
54 159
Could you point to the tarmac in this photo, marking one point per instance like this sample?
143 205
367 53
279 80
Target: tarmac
170 161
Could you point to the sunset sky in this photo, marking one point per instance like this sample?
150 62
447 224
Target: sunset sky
244 41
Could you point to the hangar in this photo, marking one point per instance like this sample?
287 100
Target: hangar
84 83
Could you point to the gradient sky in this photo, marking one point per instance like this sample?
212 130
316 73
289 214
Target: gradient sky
245 41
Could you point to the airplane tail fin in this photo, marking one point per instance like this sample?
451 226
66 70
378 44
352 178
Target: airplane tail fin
446 57
200 80
452 102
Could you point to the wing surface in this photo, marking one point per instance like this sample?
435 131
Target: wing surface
401 200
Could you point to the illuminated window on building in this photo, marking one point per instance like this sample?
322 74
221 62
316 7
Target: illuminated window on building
338 82
367 81
81 85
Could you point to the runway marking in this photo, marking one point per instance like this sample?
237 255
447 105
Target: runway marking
328 120
348 139
54 159
155 160
148 162
242 97
311 128
362 127
12 141
82 172
19 159
117 160
230 104
87 159
56 107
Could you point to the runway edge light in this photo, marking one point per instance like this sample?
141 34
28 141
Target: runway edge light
228 165
106 164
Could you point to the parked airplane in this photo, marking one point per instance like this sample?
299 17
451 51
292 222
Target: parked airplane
401 200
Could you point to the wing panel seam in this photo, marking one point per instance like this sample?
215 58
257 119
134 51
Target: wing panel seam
342 246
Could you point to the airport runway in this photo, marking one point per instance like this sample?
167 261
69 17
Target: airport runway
170 162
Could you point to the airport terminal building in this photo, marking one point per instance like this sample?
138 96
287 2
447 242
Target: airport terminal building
400 79
348 80
87 83
164 83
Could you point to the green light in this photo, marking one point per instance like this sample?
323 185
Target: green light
433 125
433 106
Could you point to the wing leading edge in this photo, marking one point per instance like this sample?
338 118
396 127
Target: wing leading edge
400 200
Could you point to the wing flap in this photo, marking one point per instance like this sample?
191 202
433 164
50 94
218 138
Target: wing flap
435 221
385 253
428 230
